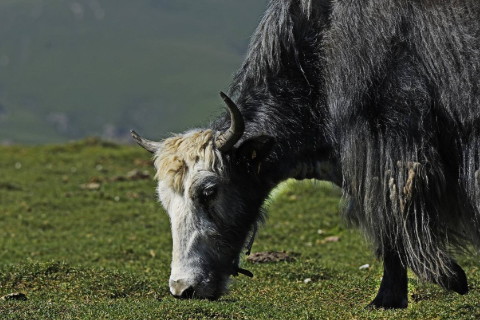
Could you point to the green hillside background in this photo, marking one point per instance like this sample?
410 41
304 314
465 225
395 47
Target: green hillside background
76 68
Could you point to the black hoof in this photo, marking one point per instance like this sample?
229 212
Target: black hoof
457 282
385 303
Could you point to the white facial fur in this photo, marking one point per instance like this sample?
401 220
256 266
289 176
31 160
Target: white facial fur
185 165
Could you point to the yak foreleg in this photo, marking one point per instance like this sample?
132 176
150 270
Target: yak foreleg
393 292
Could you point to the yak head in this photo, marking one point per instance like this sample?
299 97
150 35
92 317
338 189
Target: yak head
210 184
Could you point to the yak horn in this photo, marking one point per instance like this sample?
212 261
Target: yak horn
226 140
148 145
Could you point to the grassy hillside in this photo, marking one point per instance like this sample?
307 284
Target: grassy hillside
76 68
83 238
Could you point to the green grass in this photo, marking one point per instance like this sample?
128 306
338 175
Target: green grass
105 253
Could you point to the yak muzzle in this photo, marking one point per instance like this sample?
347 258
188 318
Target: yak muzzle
181 289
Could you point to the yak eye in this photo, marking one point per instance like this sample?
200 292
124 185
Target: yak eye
208 194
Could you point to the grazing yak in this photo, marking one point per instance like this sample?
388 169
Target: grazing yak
381 97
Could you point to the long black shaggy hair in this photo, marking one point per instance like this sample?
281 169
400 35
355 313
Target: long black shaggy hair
388 91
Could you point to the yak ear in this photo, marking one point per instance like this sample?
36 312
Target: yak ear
256 149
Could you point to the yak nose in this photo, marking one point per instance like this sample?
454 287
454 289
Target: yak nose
181 289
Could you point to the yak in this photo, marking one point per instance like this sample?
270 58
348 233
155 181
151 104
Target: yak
381 97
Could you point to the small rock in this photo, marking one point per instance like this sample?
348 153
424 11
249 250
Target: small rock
95 179
133 175
137 175
330 239
133 195
90 186
364 267
17 296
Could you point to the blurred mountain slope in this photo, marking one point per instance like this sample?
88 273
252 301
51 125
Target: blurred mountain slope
75 68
